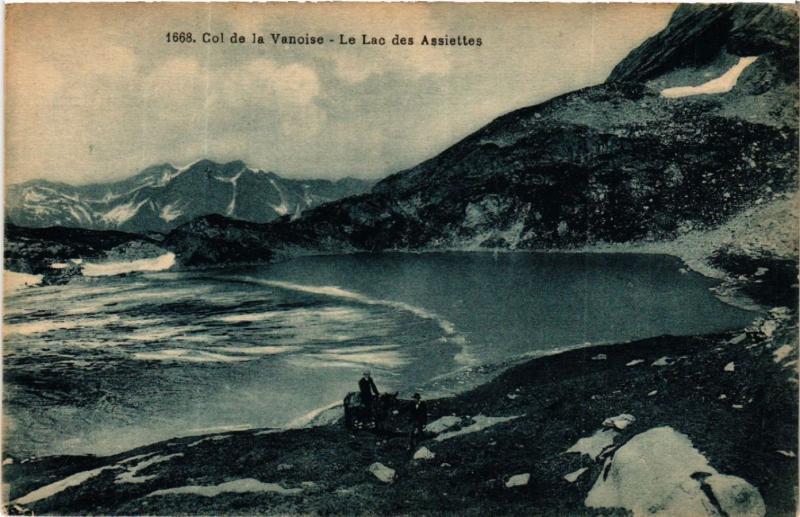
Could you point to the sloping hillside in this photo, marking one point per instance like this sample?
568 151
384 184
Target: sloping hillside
676 141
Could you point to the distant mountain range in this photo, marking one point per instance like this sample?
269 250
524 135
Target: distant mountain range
688 131
163 197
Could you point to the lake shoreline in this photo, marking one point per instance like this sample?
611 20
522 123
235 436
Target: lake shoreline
741 417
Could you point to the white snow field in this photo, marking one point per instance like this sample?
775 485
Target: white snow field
721 84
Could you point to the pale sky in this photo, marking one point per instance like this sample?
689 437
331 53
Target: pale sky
95 93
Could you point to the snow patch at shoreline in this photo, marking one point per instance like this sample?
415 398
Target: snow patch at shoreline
159 263
14 282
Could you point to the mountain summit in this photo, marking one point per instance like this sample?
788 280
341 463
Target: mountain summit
163 196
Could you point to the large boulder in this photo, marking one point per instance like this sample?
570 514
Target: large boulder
659 472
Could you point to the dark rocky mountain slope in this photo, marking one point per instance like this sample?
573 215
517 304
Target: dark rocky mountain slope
163 197
619 162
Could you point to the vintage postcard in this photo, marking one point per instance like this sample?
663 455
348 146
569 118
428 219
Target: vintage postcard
400 259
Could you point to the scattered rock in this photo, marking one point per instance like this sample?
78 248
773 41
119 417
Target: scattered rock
599 357
723 397
573 476
730 367
8 461
620 421
512 396
662 361
769 327
285 466
635 362
738 339
518 480
781 313
782 353
382 472
423 453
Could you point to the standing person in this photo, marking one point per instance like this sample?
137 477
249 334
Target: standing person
419 419
369 393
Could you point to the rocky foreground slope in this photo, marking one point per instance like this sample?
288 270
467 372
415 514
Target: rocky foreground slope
696 126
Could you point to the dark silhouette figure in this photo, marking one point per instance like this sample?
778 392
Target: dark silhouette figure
419 419
369 392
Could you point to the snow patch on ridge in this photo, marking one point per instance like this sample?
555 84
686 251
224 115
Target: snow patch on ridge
232 180
283 208
721 84
170 212
120 214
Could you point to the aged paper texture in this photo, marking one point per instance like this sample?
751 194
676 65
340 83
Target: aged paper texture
400 259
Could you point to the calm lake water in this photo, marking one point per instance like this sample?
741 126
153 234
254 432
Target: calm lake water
107 364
